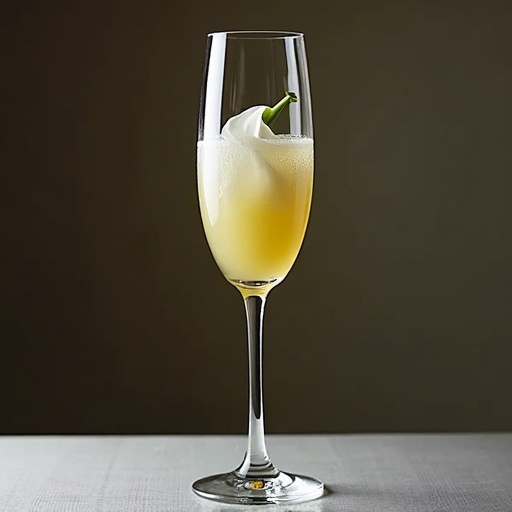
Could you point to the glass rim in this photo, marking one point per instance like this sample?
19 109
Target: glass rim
257 34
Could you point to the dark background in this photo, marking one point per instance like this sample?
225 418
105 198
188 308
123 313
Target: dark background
397 314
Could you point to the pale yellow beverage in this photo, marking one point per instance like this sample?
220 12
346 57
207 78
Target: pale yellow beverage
255 200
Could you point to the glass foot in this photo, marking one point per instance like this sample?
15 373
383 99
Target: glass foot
282 488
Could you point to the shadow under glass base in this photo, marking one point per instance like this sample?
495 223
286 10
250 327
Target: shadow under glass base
281 488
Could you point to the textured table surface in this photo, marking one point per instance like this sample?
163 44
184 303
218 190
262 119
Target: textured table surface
370 473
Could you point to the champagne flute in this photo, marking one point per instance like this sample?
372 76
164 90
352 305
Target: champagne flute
255 177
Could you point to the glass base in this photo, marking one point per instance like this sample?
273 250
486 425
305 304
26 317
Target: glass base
282 488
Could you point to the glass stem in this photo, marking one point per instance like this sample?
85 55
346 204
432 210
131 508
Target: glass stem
256 463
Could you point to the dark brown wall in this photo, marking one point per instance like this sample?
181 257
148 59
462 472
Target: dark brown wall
397 315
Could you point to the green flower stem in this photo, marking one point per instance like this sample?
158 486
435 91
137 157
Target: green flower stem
270 114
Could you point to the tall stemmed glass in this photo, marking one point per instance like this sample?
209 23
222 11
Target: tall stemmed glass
255 177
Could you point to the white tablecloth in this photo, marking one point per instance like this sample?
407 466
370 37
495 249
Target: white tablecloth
366 473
